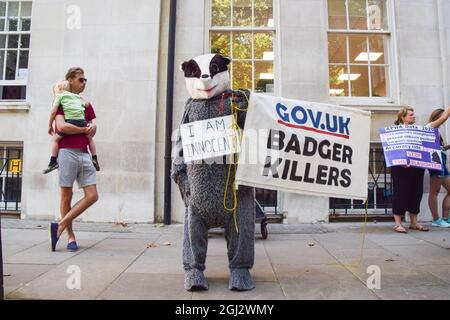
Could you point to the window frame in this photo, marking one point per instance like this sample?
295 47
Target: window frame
10 205
4 82
392 72
375 182
276 41
276 59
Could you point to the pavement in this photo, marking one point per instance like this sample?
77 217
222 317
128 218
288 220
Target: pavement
305 261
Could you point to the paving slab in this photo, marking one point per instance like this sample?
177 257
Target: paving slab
132 235
436 236
109 248
18 275
40 253
290 236
440 271
313 282
16 240
296 252
394 239
423 254
321 261
96 272
217 268
396 273
415 293
352 256
148 264
333 241
218 290
138 286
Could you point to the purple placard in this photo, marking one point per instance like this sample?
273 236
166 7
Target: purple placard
416 146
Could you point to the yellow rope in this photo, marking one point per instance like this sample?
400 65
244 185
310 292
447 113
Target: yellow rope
364 233
234 159
363 241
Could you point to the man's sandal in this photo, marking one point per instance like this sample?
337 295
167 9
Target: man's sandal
418 227
400 229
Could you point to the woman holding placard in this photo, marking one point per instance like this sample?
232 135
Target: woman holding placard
408 181
439 179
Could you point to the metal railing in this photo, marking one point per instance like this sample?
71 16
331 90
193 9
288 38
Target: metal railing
10 179
268 200
379 190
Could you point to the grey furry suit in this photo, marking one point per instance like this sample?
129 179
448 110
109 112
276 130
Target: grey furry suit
202 187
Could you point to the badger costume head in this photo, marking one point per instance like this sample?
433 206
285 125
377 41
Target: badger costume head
206 76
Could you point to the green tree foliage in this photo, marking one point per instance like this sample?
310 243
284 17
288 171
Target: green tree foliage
245 44
221 13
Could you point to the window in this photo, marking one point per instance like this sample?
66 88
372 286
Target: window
10 180
244 30
379 188
15 26
358 48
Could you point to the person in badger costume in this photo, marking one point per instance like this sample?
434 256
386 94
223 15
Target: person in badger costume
203 184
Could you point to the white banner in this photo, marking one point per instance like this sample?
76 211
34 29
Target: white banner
209 139
305 147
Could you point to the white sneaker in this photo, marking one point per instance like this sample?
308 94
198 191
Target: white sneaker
440 223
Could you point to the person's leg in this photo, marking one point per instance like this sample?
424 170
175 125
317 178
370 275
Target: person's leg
413 217
241 242
92 146
398 197
188 258
194 278
90 197
78 164
435 186
415 225
446 201
53 164
198 232
66 201
416 192
93 150
68 171
55 145
398 223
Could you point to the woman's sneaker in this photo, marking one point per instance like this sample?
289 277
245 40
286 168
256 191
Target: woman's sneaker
440 223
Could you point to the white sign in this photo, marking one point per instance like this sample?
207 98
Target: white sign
413 145
209 139
22 74
305 147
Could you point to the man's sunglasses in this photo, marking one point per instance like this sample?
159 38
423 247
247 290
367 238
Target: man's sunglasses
82 80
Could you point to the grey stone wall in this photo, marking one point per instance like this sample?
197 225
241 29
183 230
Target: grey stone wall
117 45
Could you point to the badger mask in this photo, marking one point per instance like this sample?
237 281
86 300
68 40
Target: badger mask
206 76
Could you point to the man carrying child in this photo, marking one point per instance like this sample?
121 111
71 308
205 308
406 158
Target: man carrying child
74 164
73 105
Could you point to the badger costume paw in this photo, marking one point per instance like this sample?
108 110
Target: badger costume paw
194 280
241 280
